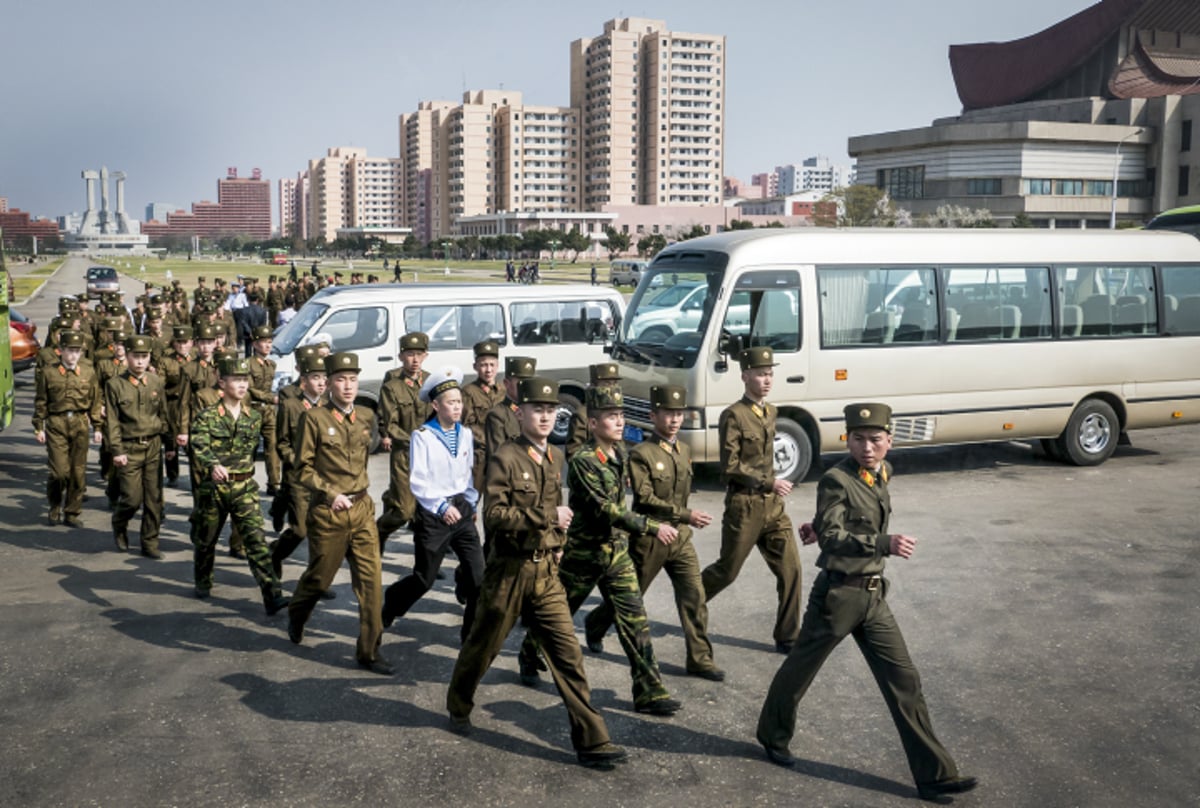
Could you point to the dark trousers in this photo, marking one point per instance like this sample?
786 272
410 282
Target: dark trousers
431 539
832 613
67 439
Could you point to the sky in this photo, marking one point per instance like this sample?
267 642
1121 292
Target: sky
174 93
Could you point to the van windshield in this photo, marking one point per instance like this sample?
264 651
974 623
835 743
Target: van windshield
288 338
669 314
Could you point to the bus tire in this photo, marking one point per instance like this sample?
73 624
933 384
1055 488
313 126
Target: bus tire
793 451
1091 434
568 405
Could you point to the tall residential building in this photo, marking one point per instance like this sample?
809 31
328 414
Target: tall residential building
243 208
652 103
347 188
813 174
420 137
767 185
537 158
293 207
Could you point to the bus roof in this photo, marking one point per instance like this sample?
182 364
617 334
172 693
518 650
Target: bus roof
456 292
819 245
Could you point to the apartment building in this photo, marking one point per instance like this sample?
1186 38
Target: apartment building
812 174
347 188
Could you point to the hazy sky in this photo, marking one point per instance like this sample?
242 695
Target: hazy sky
173 93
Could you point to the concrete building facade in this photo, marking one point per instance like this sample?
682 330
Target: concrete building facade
347 188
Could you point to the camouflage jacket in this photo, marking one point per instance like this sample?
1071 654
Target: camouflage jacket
596 481
217 440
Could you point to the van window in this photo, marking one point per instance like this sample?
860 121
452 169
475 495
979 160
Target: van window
875 306
355 329
765 310
997 303
1181 300
1101 301
288 338
452 327
562 321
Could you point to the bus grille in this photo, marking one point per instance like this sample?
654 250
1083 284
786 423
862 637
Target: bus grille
913 430
637 410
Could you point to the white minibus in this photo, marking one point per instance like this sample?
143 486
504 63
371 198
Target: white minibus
1072 338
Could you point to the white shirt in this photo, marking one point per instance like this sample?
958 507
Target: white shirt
435 475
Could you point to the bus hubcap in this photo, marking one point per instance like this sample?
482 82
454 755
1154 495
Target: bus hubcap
1094 434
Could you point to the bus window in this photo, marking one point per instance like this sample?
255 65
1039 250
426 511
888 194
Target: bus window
355 329
868 306
765 310
1106 301
562 322
1181 299
994 303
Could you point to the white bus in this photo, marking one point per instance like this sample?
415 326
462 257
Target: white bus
970 335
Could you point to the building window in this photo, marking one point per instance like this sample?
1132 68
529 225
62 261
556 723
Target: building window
1037 187
1068 187
1185 137
903 183
983 186
1183 180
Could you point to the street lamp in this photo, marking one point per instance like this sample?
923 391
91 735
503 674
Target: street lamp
1112 216
553 246
446 256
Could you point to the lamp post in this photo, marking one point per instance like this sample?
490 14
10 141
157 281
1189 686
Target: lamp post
446 256
1112 216
553 246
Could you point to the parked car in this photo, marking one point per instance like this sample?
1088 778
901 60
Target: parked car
102 279
22 340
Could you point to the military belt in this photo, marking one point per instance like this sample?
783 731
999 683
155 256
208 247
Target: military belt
355 496
143 440
869 582
240 476
738 488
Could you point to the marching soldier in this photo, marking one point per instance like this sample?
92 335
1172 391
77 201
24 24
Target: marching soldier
524 512
274 301
597 553
224 438
501 424
599 375
135 421
198 374
262 376
850 597
479 397
400 412
106 369
754 513
67 409
331 461
660 472
170 367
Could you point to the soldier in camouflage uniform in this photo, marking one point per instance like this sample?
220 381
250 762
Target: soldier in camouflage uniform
597 552
67 409
262 376
660 474
400 412
223 440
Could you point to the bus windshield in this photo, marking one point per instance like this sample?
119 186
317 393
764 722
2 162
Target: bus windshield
288 338
669 314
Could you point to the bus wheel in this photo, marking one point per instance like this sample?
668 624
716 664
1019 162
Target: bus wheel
568 405
793 451
1091 434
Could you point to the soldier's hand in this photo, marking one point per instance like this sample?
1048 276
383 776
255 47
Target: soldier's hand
700 519
902 545
40 437
781 487
667 533
807 534
386 443
451 515
220 474
170 455
97 437
564 517
181 440
121 461
341 503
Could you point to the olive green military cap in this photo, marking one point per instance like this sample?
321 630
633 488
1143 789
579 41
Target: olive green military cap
154 313
70 339
668 397
181 333
251 280
138 344
208 331
306 351
311 364
868 416
263 332
489 347
414 341
81 297
537 390
758 357
342 361
520 367
604 372
200 279
224 355
238 366
67 304
604 397
114 324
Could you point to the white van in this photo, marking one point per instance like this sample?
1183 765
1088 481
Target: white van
565 327
626 271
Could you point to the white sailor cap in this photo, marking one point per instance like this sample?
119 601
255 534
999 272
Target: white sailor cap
439 381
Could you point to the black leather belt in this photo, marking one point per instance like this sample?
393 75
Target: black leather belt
869 582
240 476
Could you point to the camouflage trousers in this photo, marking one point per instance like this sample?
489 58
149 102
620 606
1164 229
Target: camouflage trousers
586 566
239 502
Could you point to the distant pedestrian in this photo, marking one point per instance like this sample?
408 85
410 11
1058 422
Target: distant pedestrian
595 275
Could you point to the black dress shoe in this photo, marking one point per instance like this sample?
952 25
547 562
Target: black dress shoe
377 665
295 631
151 552
528 670
603 756
275 603
939 788
122 540
388 616
784 647
711 674
202 593
460 724
663 707
595 646
780 757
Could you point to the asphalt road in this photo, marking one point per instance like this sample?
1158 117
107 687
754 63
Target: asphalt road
1051 611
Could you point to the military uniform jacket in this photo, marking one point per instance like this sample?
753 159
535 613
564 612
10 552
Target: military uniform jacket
287 425
524 490
477 403
170 367
61 391
106 370
49 356
198 374
218 440
501 425
660 474
401 409
331 451
262 375
747 435
134 408
853 506
596 480
274 299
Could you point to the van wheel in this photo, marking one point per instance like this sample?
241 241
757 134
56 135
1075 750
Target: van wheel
568 405
793 451
1091 434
